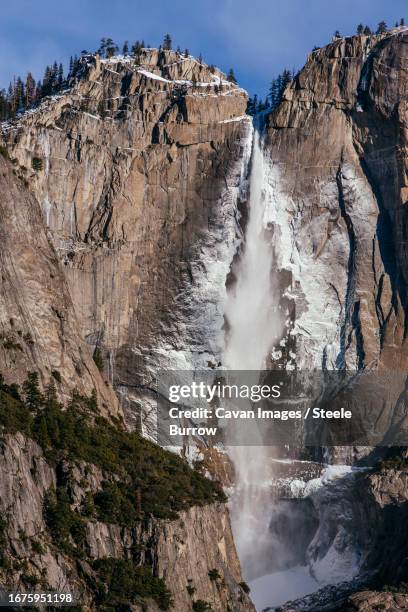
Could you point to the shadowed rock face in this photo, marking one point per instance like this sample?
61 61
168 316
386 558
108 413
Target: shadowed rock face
139 181
338 167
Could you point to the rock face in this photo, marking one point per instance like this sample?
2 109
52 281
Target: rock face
118 230
372 600
337 147
376 508
182 552
184 558
337 188
387 506
39 328
141 164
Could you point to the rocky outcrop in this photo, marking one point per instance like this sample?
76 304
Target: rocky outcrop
387 507
184 559
39 328
138 168
338 182
366 601
183 551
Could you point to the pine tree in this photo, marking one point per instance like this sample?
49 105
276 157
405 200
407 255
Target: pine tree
382 27
31 389
286 78
60 77
360 29
38 90
102 47
274 94
263 105
4 105
30 90
367 31
167 42
250 106
278 86
136 49
19 95
93 401
45 82
10 100
51 394
42 433
54 77
125 48
76 65
186 53
231 76
111 48
337 34
402 21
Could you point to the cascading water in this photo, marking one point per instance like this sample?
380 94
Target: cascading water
254 323
276 571
251 307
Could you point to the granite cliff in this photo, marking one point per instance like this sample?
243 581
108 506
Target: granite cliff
118 227
336 184
337 145
141 163
39 327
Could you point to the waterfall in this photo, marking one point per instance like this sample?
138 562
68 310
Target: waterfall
265 529
251 308
254 323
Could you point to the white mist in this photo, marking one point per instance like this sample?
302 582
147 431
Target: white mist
253 326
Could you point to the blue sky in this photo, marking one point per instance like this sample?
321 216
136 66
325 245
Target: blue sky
256 37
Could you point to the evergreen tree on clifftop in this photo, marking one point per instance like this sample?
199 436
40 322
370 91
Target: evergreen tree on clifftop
137 49
382 27
277 88
231 76
167 42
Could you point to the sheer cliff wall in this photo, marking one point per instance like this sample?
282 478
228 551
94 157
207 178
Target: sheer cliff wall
141 164
338 178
